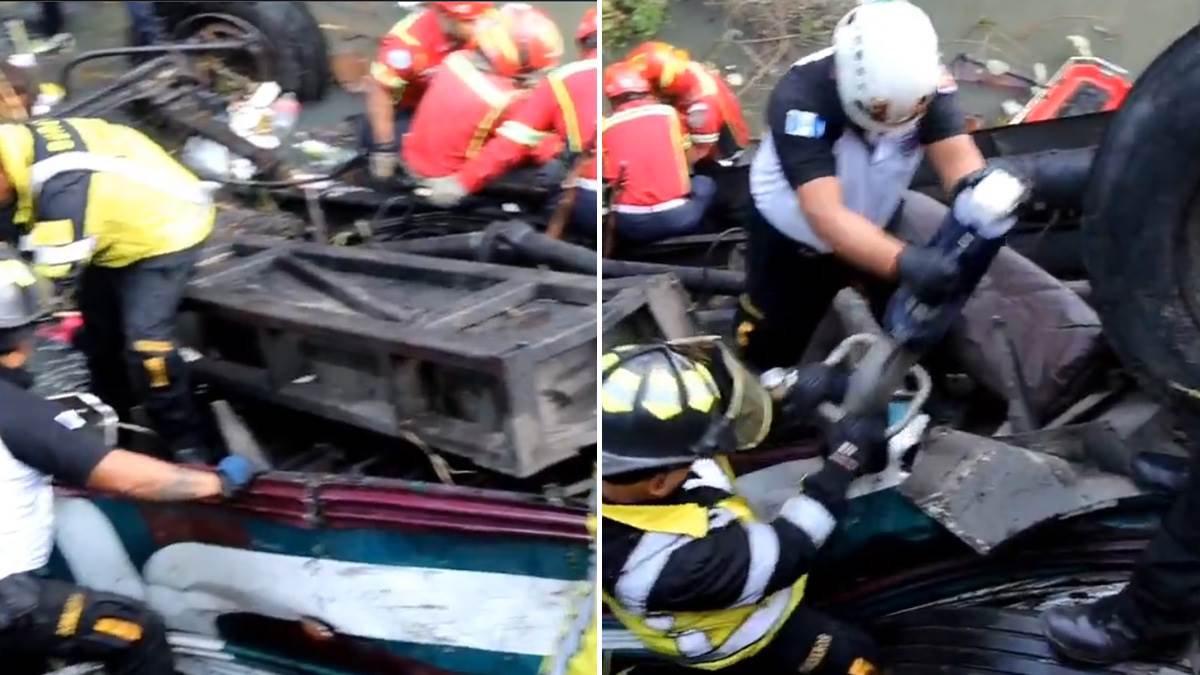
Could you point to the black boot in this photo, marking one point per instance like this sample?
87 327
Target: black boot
1099 634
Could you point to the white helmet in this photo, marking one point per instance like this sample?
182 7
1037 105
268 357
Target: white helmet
887 61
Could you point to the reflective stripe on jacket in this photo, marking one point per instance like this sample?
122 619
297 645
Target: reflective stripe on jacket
459 112
708 635
408 55
713 114
645 150
562 103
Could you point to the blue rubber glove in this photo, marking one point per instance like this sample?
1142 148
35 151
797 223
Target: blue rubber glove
237 473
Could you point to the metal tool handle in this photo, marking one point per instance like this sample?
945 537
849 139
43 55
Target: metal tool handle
918 395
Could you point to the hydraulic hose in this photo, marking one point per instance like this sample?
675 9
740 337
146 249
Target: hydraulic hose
1058 177
534 246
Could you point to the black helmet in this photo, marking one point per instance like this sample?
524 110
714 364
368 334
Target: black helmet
668 404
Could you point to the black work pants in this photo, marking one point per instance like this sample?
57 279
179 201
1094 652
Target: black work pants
810 642
79 625
1163 597
789 289
129 339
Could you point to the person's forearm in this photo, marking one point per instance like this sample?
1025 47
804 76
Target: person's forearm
141 477
697 153
955 158
381 113
858 241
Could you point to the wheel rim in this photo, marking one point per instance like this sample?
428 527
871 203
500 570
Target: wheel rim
228 73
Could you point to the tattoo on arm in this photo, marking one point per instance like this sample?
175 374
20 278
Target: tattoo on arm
183 484
143 477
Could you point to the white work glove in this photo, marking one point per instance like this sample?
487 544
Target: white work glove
382 165
444 192
988 201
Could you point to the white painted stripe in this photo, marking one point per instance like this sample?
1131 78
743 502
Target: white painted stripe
191 584
809 515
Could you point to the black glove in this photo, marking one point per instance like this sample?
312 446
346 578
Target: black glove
815 384
970 180
858 443
931 275
859 448
237 473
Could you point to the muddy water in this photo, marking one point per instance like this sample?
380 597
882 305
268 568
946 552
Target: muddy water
1020 32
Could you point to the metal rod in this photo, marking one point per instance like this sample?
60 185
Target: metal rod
348 294
223 46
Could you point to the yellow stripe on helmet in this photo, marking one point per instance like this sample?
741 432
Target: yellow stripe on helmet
619 391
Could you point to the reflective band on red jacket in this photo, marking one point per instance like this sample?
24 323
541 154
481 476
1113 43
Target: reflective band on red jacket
459 112
562 104
408 55
712 113
645 155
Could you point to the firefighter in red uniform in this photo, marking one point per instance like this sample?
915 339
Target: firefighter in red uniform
709 107
476 92
560 112
407 58
646 162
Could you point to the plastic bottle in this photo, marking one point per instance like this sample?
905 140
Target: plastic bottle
285 113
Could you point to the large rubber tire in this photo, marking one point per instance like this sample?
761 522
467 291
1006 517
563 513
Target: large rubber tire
299 53
974 641
979 641
1142 226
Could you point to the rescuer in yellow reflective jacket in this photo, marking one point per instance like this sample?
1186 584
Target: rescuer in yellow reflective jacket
104 203
688 567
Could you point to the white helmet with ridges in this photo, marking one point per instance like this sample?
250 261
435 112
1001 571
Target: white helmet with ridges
887 62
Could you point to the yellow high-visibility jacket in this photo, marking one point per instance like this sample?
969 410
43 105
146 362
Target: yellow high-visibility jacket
91 191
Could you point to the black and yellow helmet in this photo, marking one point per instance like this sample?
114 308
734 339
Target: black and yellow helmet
667 404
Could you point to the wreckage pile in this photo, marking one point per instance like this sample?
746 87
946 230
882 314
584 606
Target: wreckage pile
361 333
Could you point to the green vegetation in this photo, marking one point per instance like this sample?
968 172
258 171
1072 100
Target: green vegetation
630 21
